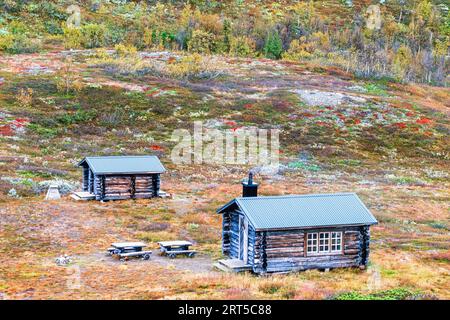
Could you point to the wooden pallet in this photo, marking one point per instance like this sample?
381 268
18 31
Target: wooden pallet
82 196
232 265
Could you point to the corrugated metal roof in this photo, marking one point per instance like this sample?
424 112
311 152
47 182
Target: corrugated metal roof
304 211
124 164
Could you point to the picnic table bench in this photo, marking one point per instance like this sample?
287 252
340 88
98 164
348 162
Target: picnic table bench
125 250
174 248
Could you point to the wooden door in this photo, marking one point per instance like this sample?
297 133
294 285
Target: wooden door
243 239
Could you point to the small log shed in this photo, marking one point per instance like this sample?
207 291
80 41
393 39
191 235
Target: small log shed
122 177
298 232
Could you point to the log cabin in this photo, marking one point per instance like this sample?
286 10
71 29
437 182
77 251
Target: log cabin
274 234
121 177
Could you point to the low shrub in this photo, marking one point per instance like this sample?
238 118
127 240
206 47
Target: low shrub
155 226
201 42
194 66
42 131
93 35
88 36
270 286
79 116
242 47
19 43
73 38
125 51
24 98
299 50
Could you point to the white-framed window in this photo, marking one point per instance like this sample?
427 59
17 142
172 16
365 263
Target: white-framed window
323 242
336 241
311 244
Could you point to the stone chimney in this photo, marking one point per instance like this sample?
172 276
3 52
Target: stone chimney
249 188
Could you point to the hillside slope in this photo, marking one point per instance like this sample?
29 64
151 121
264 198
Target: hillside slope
386 141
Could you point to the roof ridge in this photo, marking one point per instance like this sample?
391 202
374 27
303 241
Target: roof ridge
129 156
298 196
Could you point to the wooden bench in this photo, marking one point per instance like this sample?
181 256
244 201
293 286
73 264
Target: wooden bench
144 254
125 250
174 248
173 253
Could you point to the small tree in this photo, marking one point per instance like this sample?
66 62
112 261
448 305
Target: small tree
273 46
402 62
67 80
226 43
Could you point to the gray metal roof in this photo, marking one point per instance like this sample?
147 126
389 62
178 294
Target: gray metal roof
303 211
124 164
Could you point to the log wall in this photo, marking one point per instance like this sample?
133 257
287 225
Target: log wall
85 178
230 237
284 251
116 187
226 234
251 245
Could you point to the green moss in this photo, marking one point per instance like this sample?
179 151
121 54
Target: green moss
32 174
79 116
304 166
42 131
376 89
392 294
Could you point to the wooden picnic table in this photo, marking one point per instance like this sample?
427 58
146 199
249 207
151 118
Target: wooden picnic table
127 250
174 248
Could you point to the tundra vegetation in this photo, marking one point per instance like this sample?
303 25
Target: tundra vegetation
359 109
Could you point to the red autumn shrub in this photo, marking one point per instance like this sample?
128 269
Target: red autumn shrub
423 120
400 125
6 130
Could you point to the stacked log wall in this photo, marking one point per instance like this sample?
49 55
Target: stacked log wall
226 234
85 178
364 245
145 186
156 184
259 257
116 187
90 186
284 251
251 244
98 187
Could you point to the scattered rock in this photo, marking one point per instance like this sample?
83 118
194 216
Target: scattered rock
53 193
326 98
63 186
63 260
13 193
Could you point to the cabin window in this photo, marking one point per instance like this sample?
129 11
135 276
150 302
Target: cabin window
336 241
324 242
312 243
